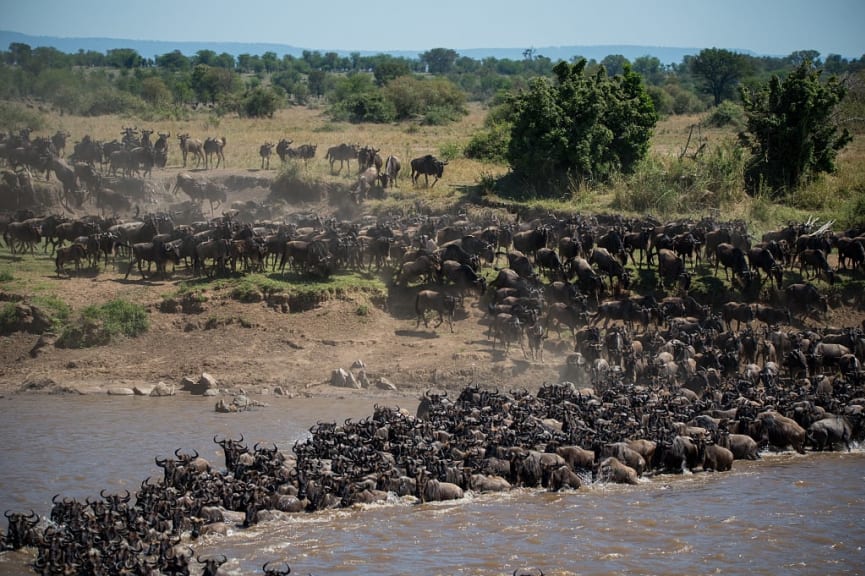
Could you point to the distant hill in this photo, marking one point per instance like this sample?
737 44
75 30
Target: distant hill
152 48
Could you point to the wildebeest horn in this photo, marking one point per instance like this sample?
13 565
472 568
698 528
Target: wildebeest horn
217 441
177 453
54 498
158 463
8 514
102 493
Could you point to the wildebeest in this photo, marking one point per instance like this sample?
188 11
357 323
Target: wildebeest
641 241
852 250
781 431
265 151
730 256
507 329
613 470
365 182
430 490
530 241
199 189
157 252
73 253
214 147
367 157
282 148
463 276
670 266
815 260
607 264
762 258
192 146
827 432
563 477
805 298
390 172
717 458
443 304
427 165
345 153
738 311
58 140
772 316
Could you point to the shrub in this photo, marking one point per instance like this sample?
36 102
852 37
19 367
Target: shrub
8 318
6 276
97 325
490 145
727 113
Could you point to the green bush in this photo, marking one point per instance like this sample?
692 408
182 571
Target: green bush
97 325
14 117
8 318
6 276
364 107
727 113
490 145
260 103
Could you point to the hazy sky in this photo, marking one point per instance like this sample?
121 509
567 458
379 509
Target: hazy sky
775 27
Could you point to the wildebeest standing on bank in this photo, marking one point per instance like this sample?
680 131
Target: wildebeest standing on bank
427 165
214 147
345 153
192 146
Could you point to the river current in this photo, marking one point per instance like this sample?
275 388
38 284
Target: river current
785 514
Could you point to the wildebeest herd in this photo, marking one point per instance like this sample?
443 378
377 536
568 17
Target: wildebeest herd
658 378
95 169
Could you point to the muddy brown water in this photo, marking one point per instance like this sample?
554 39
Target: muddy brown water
788 513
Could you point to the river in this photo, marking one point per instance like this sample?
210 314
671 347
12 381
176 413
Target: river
787 513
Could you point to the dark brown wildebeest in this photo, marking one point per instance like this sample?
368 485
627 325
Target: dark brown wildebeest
439 302
670 266
730 256
427 165
805 298
815 259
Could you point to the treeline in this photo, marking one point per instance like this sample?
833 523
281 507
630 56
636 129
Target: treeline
432 88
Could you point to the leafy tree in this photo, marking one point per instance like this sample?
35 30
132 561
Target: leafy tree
316 82
126 58
174 61
650 68
579 127
260 103
386 69
270 61
154 91
439 60
205 57
615 64
720 71
790 130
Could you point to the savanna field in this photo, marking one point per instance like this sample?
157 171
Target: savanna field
275 340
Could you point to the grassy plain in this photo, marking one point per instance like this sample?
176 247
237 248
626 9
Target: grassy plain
671 163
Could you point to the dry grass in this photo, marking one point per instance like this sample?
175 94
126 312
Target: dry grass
831 195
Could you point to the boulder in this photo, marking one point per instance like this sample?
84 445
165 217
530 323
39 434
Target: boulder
121 391
142 389
162 389
385 384
342 378
204 383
